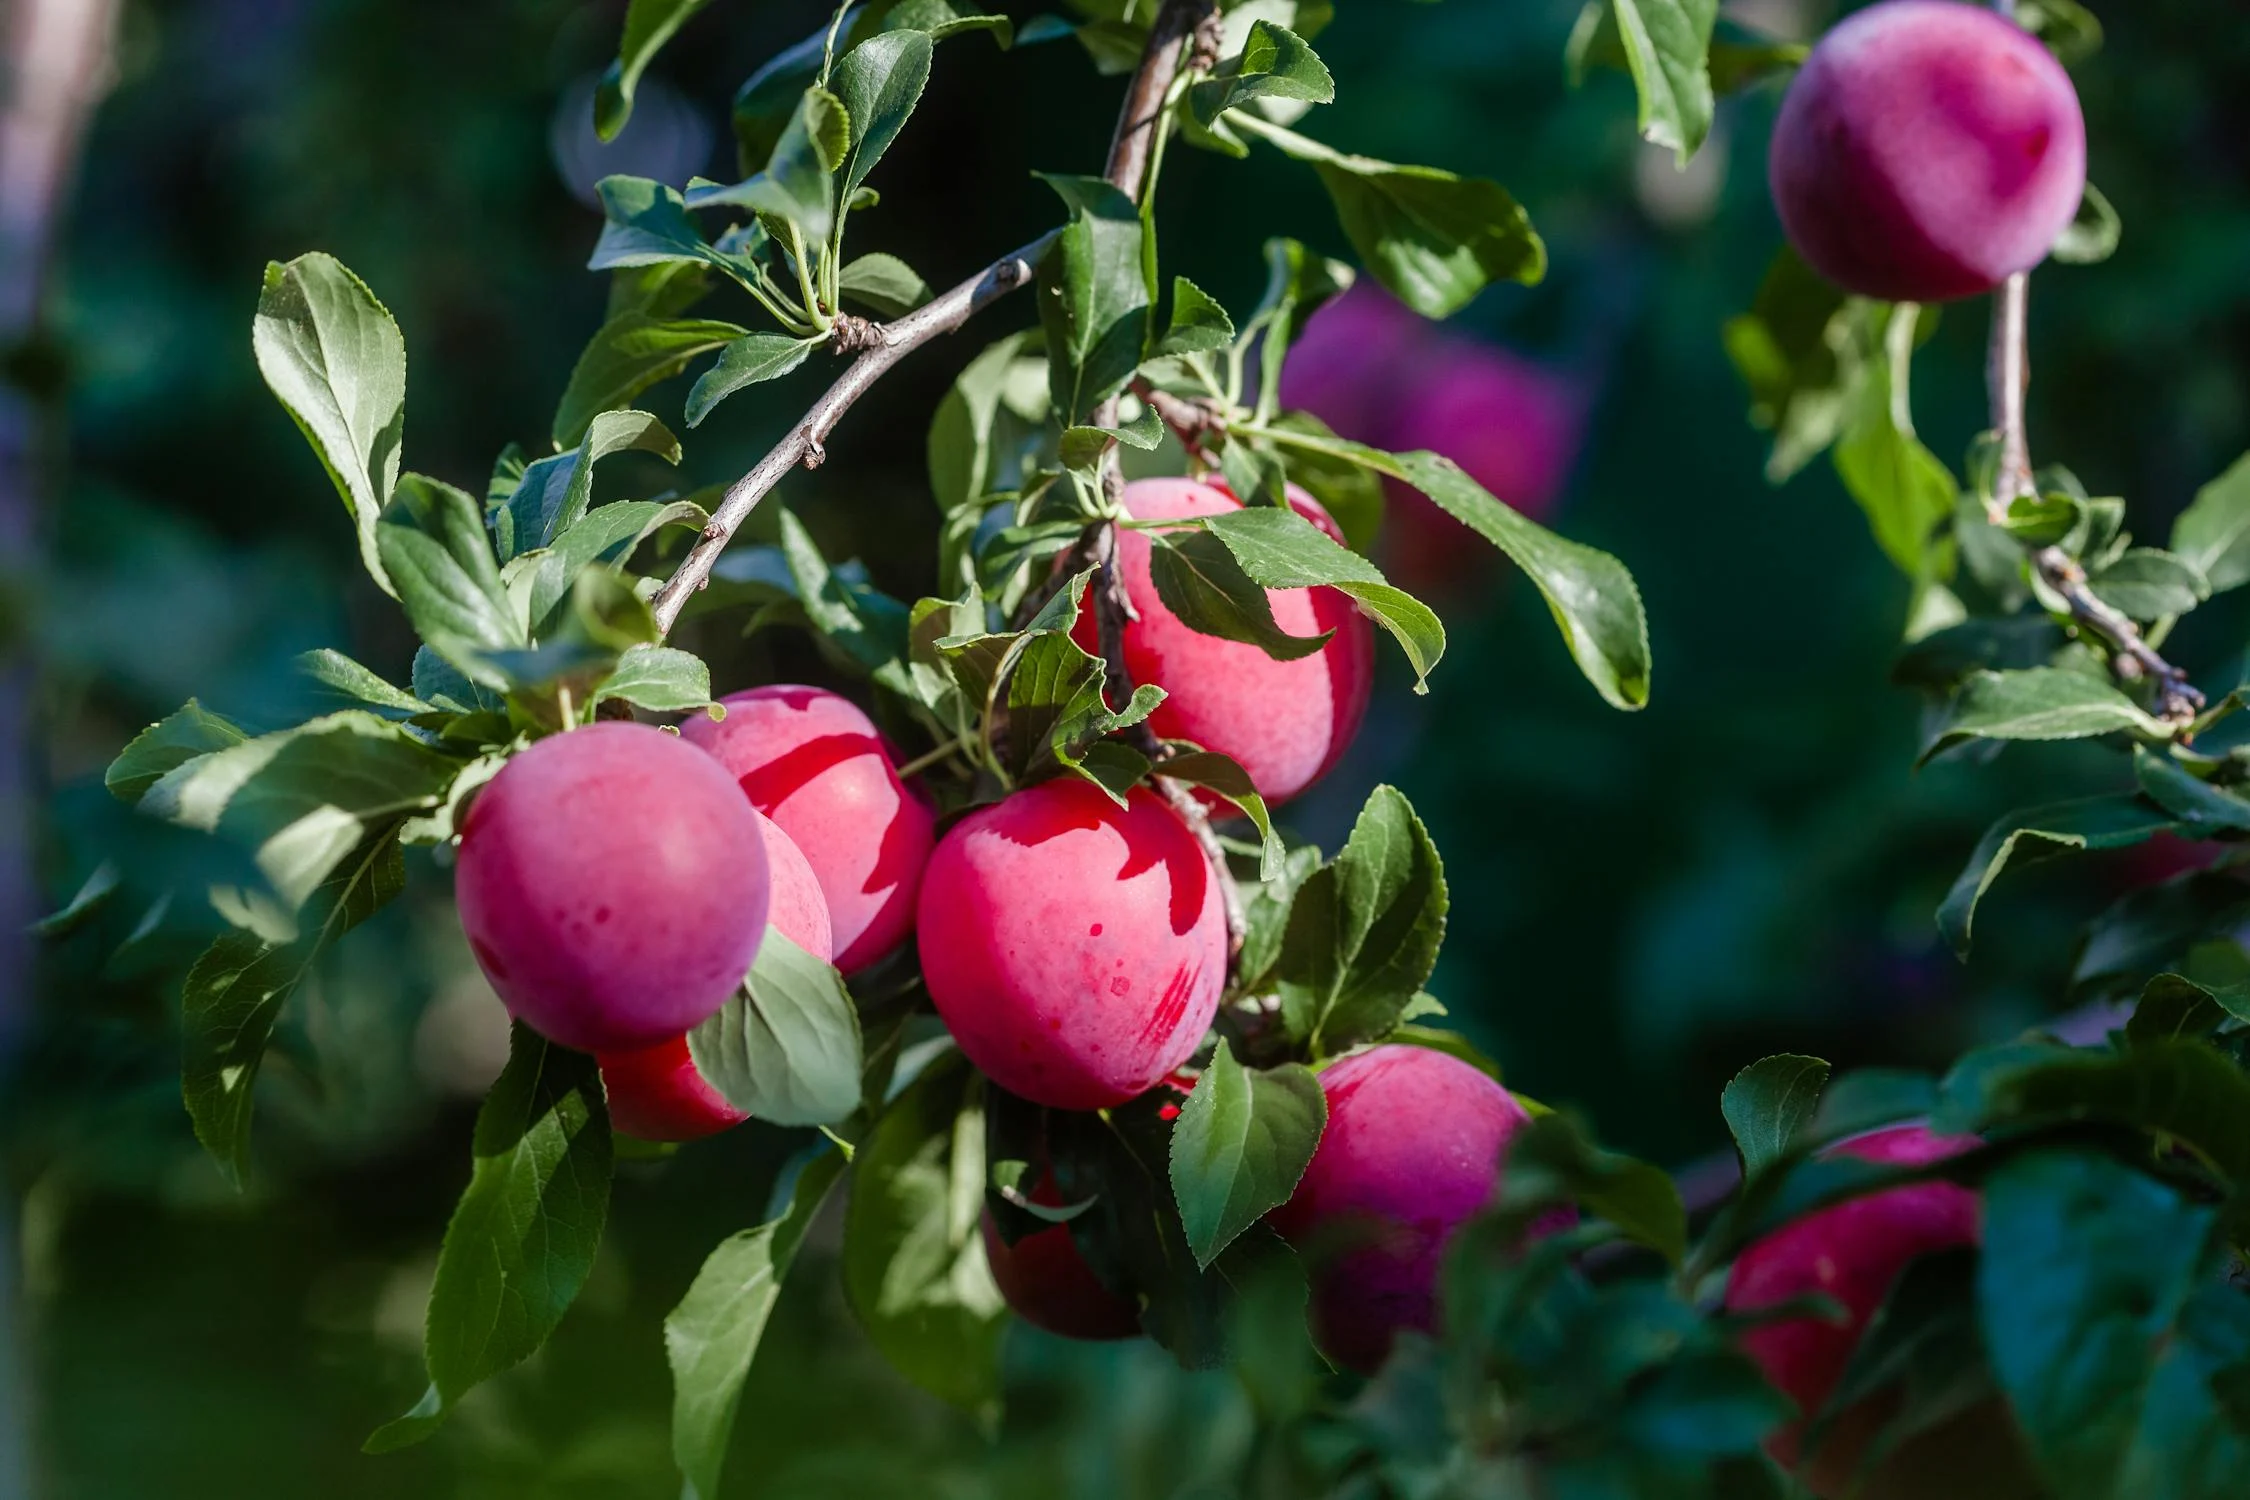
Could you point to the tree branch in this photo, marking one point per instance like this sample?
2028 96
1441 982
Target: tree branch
2008 374
884 346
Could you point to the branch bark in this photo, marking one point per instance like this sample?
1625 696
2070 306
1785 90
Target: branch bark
2008 374
883 346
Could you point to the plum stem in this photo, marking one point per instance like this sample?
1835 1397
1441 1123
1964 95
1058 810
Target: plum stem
2008 374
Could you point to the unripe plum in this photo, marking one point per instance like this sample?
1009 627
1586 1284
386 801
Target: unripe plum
1412 1149
1927 150
1285 722
613 886
1074 948
813 763
657 1093
1049 1284
1854 1253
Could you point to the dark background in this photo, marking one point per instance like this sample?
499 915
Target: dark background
1641 903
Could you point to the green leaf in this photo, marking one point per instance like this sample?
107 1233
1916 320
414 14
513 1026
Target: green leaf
2023 838
1352 496
1298 284
332 355
1083 447
1667 46
661 679
606 538
884 284
163 747
2213 534
749 360
785 1047
80 908
2182 1091
2147 584
1767 1103
2174 1008
1434 238
1279 549
1550 1163
649 24
913 1260
1093 296
1797 352
522 1239
2092 234
2108 1323
2198 805
1242 1141
880 82
237 988
633 351
646 224
794 185
1275 63
2068 29
868 628
1364 931
2043 703
349 680
440 562
1224 776
961 436
945 18
1199 325
1591 595
711 1338
303 799
1905 489
602 619
555 492
1199 581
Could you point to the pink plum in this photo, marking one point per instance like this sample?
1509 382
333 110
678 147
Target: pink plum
1286 722
1927 150
813 763
1351 361
613 886
1412 1149
1075 948
1854 1253
1049 1284
656 1093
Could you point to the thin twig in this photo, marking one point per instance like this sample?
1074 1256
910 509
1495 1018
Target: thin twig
2008 373
806 442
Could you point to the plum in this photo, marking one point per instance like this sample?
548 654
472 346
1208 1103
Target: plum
657 1093
1048 1282
813 763
1927 150
1075 948
1412 1149
1854 1253
613 886
1286 722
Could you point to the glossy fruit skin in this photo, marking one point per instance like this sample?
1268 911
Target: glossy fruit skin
1412 1149
1075 949
1854 1252
1049 1284
656 1093
613 886
813 763
1286 722
1927 150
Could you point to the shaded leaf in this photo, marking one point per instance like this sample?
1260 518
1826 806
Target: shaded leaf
1242 1142
2043 703
649 24
2025 837
631 352
1768 1103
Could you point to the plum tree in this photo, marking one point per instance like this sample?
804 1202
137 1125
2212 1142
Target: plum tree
657 1093
1411 1150
1286 722
1048 1283
812 762
613 886
1076 949
1854 1252
1927 150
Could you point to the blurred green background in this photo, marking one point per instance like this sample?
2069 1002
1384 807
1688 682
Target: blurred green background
1642 903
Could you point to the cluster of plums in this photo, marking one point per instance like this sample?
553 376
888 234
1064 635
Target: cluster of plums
615 883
